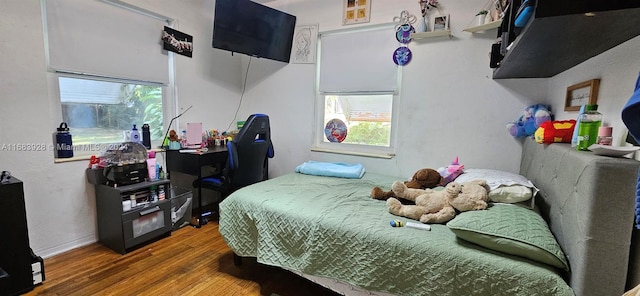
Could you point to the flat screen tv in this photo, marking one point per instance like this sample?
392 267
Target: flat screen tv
251 28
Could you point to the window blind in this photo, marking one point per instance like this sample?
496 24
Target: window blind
96 38
358 61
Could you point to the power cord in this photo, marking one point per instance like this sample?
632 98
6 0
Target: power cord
244 86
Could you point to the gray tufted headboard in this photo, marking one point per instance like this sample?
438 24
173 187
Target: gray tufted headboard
588 201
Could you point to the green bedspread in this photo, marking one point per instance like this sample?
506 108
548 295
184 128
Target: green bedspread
331 227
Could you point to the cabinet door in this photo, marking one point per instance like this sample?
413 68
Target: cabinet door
145 224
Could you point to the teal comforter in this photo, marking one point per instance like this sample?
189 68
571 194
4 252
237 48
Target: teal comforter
331 227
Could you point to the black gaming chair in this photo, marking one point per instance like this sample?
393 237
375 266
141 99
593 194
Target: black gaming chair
248 157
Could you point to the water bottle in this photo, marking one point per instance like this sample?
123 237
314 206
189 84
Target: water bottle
135 136
590 122
63 142
574 137
146 136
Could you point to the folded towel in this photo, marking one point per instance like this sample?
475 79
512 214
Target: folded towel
331 169
631 118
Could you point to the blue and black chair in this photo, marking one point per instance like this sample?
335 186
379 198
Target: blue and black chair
247 162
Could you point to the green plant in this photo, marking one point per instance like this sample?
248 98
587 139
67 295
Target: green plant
369 133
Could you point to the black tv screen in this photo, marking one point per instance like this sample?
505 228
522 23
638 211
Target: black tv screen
251 28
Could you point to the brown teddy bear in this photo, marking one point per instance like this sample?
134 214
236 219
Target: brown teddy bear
422 179
439 206
173 136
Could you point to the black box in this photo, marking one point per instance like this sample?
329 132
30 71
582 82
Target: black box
126 174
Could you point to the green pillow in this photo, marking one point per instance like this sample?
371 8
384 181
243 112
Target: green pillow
510 229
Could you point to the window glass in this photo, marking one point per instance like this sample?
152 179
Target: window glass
358 119
99 111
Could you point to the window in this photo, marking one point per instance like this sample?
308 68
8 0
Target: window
367 118
101 111
109 70
357 92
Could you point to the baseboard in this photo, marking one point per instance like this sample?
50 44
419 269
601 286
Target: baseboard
59 249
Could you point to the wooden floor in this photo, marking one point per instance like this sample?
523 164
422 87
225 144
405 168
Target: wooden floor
192 261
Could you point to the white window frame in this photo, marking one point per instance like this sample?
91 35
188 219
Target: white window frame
319 145
169 92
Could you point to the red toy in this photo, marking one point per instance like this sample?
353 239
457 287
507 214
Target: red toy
555 131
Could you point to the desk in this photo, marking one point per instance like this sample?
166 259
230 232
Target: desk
191 163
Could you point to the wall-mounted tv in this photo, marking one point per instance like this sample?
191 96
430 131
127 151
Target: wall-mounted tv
251 28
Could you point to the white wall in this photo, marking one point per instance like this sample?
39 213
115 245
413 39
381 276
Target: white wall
445 74
449 104
617 69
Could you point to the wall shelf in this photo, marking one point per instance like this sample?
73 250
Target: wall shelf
431 34
559 37
484 27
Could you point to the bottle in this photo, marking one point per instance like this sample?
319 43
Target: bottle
146 136
135 136
574 138
590 122
183 139
134 203
63 142
604 136
151 167
161 194
161 174
153 194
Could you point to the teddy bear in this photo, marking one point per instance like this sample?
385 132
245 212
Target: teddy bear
421 179
173 136
439 206
529 121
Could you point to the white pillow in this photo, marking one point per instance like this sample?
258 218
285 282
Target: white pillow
504 186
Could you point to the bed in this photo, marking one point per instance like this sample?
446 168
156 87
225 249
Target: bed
329 230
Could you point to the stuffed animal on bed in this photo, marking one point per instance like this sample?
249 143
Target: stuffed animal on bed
422 179
451 172
439 206
529 121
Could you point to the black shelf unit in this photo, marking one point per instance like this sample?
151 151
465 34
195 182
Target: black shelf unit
122 230
562 34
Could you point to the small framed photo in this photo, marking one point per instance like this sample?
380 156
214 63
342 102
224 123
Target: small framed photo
356 11
440 23
583 93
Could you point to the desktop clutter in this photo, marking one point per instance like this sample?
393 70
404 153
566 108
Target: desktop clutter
133 160
124 163
197 139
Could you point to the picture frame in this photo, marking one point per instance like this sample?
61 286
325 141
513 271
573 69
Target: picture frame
440 22
356 11
583 93
176 41
305 40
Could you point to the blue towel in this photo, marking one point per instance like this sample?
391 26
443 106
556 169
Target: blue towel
631 118
331 169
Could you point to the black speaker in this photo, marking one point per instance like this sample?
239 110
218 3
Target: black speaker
15 253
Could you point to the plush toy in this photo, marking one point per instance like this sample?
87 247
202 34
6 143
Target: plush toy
422 179
451 172
439 206
529 121
555 131
173 136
